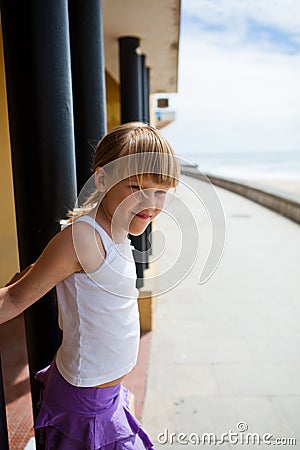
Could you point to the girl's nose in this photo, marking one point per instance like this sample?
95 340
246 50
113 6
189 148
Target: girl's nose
148 201
151 199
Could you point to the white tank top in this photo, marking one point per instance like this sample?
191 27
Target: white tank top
99 316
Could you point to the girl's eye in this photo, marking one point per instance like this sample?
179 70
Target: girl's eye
136 187
147 192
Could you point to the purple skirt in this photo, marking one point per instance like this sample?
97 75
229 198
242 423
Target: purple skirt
81 418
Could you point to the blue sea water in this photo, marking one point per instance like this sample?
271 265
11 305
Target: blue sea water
283 165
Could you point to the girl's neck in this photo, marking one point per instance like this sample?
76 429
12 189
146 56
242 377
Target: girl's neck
102 218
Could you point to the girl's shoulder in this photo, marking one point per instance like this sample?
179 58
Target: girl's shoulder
88 244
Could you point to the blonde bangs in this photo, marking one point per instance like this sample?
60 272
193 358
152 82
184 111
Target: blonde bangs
145 151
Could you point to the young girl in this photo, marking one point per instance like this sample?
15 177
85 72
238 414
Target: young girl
83 403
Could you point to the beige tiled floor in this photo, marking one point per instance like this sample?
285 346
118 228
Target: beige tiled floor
228 351
16 383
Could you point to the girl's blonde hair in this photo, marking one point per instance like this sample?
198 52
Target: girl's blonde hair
154 153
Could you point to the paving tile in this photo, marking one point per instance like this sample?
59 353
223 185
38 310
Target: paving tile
136 380
288 408
16 383
270 444
30 445
211 349
219 414
258 378
274 349
184 379
157 413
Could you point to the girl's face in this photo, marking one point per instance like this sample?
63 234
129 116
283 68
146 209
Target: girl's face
129 207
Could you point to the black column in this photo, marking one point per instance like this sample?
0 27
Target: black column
38 74
132 109
146 115
3 424
88 81
131 80
146 90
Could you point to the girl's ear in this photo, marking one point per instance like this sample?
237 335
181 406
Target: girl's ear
100 179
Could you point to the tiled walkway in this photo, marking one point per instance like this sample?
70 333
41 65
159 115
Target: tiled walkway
228 351
16 383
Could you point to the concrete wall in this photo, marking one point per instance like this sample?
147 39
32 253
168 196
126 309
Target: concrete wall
113 107
9 260
281 205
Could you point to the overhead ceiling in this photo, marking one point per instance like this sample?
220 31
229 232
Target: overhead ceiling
157 24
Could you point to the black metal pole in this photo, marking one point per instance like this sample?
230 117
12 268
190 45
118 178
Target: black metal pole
3 423
146 90
38 75
88 81
146 115
146 119
131 90
130 79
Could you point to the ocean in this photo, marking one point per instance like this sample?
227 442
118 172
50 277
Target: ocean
276 172
249 165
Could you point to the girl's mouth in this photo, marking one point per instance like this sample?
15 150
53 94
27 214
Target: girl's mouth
143 216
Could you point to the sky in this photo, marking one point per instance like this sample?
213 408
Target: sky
239 77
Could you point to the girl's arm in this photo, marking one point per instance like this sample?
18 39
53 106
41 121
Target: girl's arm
18 275
57 262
